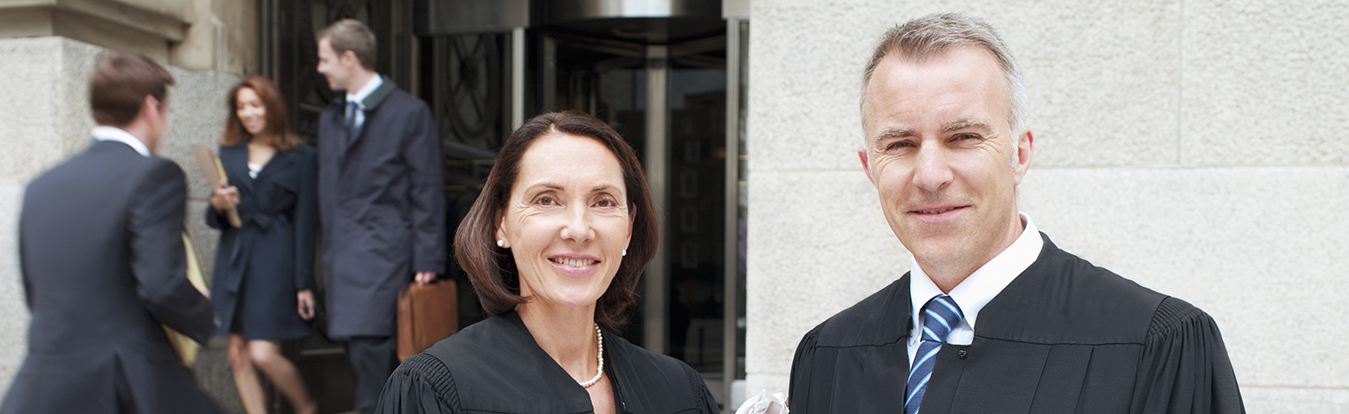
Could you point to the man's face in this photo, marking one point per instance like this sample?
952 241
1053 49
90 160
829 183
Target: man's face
940 151
332 67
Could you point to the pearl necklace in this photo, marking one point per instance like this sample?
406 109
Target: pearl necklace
599 372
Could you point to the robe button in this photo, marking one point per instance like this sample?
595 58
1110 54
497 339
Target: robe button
962 354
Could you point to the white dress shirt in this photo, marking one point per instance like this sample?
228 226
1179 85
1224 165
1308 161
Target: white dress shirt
360 95
107 133
976 290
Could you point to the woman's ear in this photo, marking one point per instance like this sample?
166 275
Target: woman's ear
502 241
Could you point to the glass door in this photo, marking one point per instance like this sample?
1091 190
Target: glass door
669 102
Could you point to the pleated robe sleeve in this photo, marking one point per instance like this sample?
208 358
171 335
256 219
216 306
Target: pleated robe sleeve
803 364
1184 367
421 385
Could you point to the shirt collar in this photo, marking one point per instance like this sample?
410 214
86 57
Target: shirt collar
107 133
365 91
986 282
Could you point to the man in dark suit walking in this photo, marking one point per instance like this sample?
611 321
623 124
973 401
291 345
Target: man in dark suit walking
380 203
103 262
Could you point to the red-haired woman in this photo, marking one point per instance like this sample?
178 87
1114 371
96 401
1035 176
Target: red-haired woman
264 270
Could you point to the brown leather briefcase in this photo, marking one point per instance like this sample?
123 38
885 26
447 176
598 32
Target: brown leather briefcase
426 314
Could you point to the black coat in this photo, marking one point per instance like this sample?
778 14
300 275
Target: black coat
260 266
1063 337
495 366
103 262
382 208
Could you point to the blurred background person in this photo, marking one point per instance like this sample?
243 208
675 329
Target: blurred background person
381 202
103 262
554 247
263 288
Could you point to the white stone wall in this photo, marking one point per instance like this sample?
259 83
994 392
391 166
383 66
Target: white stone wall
45 120
1196 147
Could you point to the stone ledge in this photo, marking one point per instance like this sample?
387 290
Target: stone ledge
166 20
147 28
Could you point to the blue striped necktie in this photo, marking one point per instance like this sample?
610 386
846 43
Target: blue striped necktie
939 315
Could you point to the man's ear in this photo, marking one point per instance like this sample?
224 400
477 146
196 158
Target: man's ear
349 57
1025 149
150 105
866 166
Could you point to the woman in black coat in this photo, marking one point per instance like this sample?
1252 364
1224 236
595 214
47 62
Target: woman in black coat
264 269
554 246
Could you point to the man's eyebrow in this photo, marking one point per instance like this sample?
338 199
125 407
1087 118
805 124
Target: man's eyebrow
895 133
965 124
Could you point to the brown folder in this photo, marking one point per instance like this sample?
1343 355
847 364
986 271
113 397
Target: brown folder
426 314
214 170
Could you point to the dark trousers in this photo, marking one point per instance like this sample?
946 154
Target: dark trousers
372 360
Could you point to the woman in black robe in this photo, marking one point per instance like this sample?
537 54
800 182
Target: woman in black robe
264 273
554 247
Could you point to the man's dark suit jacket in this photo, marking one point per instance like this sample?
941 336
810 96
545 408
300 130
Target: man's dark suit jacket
1064 337
382 208
101 250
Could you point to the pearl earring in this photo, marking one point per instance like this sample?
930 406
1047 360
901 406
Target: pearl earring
625 252
501 243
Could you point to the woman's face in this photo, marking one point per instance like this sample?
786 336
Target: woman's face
250 110
567 221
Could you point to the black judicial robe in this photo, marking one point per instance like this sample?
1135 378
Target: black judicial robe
1064 337
495 366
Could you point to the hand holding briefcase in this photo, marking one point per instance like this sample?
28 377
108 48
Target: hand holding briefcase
427 313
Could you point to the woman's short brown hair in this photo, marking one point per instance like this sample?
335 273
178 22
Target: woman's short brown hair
276 133
492 269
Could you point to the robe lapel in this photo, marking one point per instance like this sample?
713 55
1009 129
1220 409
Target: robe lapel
555 387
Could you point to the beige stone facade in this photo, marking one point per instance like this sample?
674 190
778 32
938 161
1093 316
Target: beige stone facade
218 35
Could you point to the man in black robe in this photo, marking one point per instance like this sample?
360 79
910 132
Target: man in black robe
992 317
380 203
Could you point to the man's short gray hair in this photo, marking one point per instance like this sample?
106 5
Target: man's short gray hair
936 33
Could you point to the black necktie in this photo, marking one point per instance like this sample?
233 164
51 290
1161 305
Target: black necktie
353 110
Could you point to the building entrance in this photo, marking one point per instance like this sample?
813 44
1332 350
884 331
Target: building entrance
656 71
